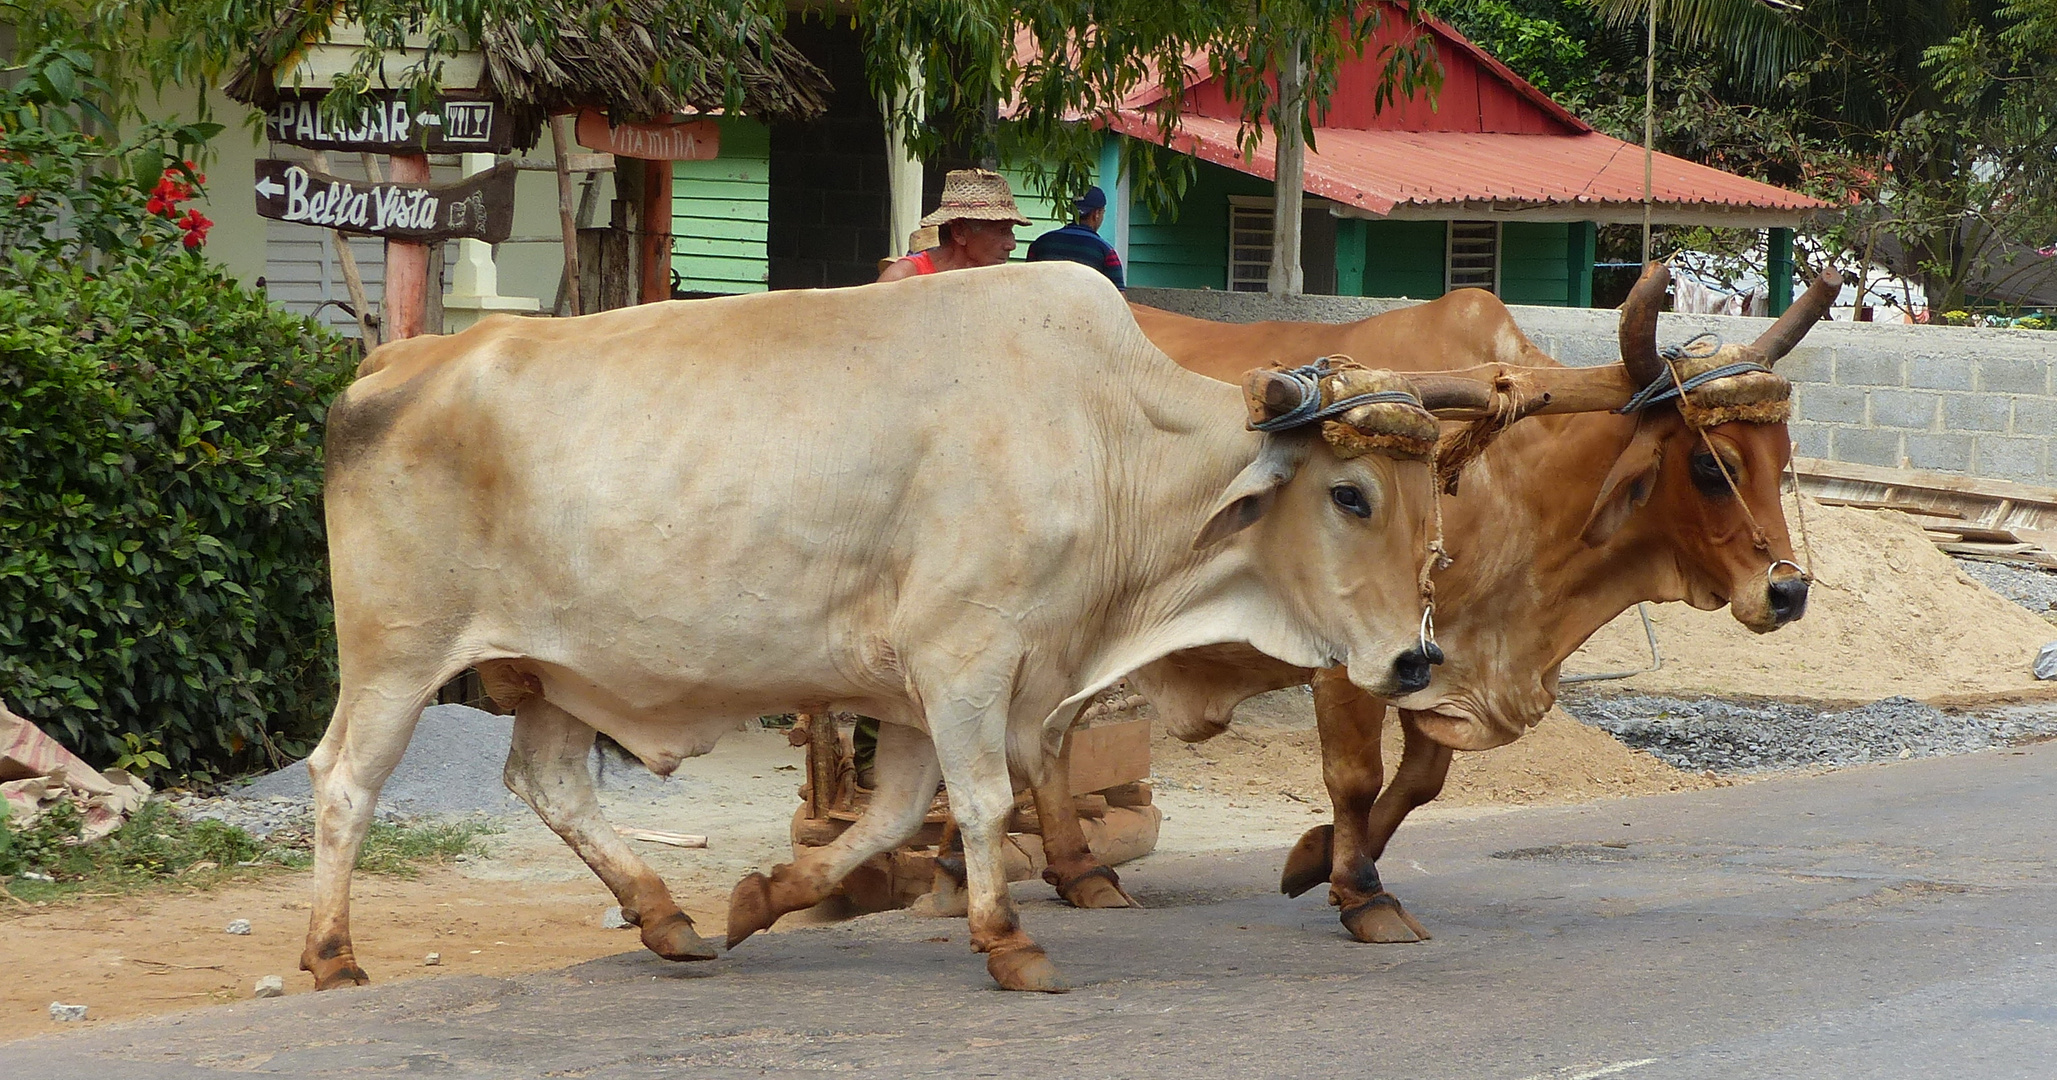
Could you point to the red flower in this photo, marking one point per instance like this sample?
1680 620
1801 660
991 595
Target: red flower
26 199
195 225
157 205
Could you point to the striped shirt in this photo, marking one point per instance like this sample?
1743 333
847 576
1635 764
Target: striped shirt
1078 244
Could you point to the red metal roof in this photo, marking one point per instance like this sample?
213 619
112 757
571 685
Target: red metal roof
1441 174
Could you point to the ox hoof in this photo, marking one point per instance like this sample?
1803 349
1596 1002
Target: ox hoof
673 938
1098 887
1382 921
1308 864
336 974
1025 968
942 903
750 908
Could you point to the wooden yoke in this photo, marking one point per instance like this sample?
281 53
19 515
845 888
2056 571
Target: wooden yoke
1477 393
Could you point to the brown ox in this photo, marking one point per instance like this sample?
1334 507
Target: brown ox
1560 525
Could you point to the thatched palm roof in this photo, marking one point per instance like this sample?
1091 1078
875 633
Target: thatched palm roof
614 64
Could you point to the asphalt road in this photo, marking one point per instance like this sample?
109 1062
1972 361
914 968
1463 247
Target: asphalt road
1889 921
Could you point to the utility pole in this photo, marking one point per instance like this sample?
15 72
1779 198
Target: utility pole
1290 176
1649 126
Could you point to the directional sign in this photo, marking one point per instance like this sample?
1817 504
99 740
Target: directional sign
388 125
687 140
478 208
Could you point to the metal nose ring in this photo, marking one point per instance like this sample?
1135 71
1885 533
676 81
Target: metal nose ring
1776 563
1428 627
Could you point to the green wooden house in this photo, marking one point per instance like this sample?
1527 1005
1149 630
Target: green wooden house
1491 185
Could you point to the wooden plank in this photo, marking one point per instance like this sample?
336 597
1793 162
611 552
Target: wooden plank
1976 533
1109 755
1951 482
1887 504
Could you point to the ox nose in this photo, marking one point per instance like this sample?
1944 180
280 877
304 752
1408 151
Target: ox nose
1410 669
1788 599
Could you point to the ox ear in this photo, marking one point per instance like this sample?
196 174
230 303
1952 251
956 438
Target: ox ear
1628 485
1256 488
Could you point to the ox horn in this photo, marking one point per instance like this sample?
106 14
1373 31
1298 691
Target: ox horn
1801 317
1639 324
1269 395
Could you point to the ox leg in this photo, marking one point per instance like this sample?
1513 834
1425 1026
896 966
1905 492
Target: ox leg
365 739
946 897
1371 913
973 753
1081 878
546 766
907 775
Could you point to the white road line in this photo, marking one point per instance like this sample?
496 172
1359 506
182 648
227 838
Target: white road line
1593 1074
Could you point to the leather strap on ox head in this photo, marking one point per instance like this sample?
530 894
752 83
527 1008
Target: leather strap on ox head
1309 410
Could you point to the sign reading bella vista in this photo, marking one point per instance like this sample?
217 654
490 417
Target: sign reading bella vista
387 125
478 208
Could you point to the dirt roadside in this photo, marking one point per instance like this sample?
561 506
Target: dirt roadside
530 905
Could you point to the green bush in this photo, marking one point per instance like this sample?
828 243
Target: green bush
162 558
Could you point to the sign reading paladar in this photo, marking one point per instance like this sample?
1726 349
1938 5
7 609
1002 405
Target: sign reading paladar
388 125
478 208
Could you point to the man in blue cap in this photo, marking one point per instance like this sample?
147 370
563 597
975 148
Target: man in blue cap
1080 241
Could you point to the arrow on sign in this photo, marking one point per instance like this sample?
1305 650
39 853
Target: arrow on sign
267 187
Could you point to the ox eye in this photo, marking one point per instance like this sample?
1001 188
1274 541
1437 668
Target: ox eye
1351 498
1707 476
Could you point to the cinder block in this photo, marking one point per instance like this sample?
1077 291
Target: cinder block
1866 446
2035 416
1809 440
1904 409
1829 404
1976 412
1804 364
2004 458
1940 372
1949 453
2013 375
1864 367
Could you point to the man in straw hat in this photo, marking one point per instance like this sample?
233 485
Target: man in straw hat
975 223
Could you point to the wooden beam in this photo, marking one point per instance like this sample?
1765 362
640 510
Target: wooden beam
407 264
656 245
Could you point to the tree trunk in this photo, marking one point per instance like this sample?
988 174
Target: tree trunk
1290 178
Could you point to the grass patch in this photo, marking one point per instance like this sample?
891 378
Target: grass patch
157 850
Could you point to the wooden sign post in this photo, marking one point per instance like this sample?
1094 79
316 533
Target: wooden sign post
478 208
406 211
656 145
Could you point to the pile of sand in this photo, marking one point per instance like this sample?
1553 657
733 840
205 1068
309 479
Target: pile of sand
1272 750
1888 614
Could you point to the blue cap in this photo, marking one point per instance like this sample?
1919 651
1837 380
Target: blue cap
1093 199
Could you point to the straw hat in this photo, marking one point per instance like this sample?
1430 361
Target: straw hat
976 195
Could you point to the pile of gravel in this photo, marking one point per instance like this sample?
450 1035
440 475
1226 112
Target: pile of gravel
451 769
1751 736
2032 588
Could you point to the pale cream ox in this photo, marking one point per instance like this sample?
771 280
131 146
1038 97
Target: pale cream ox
961 504
1554 529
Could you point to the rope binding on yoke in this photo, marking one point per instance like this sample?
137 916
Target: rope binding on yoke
1310 409
1716 383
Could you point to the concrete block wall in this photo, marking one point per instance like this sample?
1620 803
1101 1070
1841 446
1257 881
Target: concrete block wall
1947 399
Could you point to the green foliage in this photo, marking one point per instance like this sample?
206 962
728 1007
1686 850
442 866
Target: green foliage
961 54
141 755
161 547
156 847
66 194
402 850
